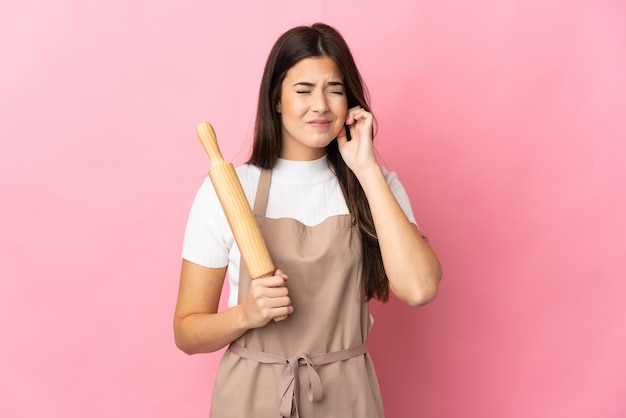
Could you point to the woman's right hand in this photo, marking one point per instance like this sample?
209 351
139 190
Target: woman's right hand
267 299
200 328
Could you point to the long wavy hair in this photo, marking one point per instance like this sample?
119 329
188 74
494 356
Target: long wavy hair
320 40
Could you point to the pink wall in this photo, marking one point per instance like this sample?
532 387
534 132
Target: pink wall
505 119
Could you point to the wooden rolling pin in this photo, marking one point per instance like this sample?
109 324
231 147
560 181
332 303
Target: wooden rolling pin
236 208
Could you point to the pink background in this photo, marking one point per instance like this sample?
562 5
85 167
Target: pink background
504 119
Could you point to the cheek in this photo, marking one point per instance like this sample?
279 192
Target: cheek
293 108
338 108
342 114
341 110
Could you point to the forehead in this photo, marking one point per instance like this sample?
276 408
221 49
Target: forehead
312 69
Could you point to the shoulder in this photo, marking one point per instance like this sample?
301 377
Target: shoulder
248 176
390 176
248 172
399 192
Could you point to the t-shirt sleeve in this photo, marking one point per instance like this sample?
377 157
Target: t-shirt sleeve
207 240
400 194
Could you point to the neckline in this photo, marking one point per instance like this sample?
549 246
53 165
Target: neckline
303 172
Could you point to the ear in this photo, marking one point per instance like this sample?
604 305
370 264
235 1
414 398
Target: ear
278 108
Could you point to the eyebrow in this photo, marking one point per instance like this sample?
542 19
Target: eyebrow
308 84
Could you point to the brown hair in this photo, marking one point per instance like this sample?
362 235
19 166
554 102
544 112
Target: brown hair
320 40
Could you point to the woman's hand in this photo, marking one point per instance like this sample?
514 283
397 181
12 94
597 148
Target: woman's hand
200 328
413 270
267 299
358 153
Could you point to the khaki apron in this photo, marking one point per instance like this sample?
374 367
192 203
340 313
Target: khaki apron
314 363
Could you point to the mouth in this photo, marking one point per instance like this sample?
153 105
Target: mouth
319 123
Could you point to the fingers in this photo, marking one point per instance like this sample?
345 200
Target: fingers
277 279
357 113
268 298
358 124
268 288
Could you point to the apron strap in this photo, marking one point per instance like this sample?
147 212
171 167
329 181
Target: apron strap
262 192
289 383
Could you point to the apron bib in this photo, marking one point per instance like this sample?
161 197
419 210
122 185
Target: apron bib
315 362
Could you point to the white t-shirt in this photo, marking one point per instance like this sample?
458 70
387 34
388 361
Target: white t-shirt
307 191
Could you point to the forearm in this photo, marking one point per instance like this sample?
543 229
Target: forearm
200 328
208 332
411 265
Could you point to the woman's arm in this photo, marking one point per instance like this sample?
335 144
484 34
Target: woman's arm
411 265
200 328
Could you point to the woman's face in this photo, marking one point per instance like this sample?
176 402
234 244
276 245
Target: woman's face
313 108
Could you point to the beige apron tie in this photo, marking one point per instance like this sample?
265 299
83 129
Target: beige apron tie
289 383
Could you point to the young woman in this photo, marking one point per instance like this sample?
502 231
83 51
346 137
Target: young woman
339 228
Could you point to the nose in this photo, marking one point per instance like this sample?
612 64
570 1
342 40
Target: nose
319 102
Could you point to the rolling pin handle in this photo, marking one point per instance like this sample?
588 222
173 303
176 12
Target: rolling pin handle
207 137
